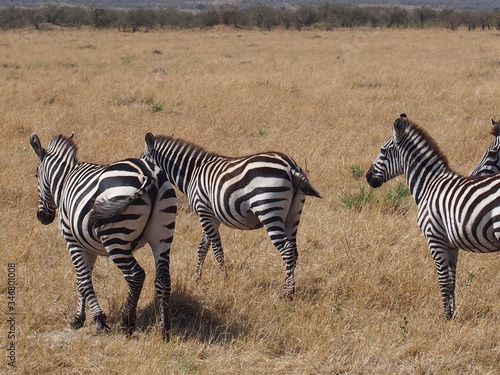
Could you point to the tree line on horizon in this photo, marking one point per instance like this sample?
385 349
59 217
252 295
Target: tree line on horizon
324 16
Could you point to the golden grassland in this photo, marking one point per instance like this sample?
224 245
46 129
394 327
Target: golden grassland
367 297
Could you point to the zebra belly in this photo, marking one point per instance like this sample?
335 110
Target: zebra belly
466 221
247 222
261 191
250 214
479 234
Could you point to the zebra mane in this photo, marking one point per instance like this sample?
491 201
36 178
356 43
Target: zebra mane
171 141
63 146
431 142
495 131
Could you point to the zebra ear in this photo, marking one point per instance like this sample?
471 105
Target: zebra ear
495 131
36 146
400 127
150 144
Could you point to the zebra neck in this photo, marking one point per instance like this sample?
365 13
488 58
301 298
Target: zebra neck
421 176
58 180
181 163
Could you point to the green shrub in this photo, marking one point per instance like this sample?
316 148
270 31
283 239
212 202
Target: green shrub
356 172
396 195
155 106
358 200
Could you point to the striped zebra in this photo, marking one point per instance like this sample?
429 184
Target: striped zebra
108 210
261 190
490 162
454 212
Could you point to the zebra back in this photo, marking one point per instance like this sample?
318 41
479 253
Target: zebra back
180 159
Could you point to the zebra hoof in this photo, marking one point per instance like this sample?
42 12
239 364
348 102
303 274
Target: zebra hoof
448 310
102 328
101 325
289 294
165 331
77 322
128 330
128 324
166 335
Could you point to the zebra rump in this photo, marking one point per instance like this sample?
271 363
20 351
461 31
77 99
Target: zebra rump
109 210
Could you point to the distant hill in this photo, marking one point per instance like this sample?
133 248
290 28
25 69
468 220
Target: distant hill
204 4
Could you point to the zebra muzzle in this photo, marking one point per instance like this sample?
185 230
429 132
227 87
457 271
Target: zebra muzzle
373 179
45 217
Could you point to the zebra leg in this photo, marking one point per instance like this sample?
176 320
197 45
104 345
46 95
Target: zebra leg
211 236
134 276
83 262
289 254
283 232
202 254
163 288
446 264
292 221
79 318
159 233
452 266
287 249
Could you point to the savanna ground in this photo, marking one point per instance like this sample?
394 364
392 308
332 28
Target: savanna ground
367 297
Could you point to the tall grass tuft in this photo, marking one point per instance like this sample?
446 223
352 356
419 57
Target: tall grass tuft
154 105
396 196
356 201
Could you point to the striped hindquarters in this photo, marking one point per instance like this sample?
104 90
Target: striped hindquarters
242 191
98 195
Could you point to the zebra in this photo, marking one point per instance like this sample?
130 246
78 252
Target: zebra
108 210
260 190
454 212
490 161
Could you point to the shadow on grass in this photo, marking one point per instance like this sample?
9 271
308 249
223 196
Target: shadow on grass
191 319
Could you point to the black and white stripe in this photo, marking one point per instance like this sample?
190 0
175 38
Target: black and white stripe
262 190
454 212
108 210
490 161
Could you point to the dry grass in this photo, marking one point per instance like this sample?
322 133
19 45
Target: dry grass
367 299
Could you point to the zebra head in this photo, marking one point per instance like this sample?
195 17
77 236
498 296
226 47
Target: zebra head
490 162
53 165
149 146
389 163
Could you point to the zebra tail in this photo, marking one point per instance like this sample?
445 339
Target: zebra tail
108 210
302 184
